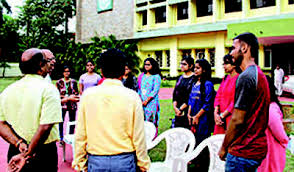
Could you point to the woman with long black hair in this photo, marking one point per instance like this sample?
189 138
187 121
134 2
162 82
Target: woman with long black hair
182 91
148 88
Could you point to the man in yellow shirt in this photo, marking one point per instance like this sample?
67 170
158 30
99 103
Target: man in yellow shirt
110 129
30 111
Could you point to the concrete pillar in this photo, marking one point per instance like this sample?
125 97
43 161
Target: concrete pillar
206 52
245 8
164 59
279 7
261 56
216 10
171 15
192 11
219 54
173 57
193 53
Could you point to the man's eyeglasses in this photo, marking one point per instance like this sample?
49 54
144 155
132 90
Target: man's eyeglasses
147 64
184 64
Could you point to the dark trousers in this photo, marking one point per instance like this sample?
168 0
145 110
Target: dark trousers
46 158
72 117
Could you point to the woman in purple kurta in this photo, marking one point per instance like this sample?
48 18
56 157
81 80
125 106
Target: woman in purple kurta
148 88
88 79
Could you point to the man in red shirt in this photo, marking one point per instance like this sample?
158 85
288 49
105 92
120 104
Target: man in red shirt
245 144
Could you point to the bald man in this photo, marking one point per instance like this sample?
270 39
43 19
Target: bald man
30 111
49 56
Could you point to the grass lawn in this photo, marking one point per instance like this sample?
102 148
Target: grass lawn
166 112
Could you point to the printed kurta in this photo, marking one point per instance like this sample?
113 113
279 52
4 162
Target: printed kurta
149 87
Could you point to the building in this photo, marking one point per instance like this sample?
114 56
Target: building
167 30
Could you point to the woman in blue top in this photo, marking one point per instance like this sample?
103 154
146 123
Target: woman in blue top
148 88
200 112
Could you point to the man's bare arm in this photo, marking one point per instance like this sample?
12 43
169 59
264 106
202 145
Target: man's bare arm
8 134
39 138
235 125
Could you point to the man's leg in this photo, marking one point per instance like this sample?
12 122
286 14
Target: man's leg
239 164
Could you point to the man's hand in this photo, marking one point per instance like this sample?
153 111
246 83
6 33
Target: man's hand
195 120
16 163
222 154
178 112
73 98
23 147
217 119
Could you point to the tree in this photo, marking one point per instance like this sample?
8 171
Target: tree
5 33
44 21
78 54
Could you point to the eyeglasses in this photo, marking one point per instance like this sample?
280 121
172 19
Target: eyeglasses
66 71
147 64
184 64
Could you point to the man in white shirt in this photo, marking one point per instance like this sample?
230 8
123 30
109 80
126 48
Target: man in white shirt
279 74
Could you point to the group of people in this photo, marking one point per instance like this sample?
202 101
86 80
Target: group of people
245 108
109 134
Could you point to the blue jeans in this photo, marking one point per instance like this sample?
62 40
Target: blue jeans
112 163
239 164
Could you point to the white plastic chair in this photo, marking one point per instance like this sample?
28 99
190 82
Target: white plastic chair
150 132
179 141
69 138
214 144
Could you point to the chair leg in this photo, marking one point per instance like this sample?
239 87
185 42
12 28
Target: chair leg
63 150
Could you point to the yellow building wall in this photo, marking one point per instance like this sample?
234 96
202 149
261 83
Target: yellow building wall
218 39
175 44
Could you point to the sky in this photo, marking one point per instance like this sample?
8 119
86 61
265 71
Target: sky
13 4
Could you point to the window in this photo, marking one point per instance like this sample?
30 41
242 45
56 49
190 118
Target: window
212 57
156 1
142 4
144 17
204 8
267 58
158 55
261 3
183 11
200 53
233 6
167 58
186 53
160 15
291 1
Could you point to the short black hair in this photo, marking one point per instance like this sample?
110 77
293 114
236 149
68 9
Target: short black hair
32 66
112 63
155 67
251 40
66 67
190 61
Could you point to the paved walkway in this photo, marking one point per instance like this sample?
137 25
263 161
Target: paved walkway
164 94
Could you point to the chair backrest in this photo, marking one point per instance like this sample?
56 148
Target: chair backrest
214 144
150 132
179 141
68 125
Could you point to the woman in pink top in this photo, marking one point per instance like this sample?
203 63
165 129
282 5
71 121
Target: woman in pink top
224 99
277 139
